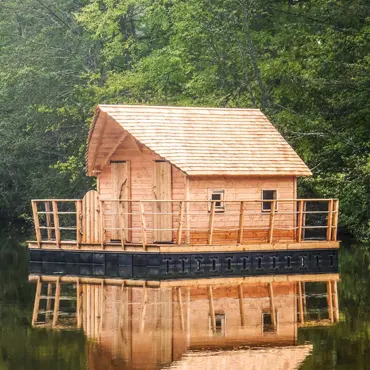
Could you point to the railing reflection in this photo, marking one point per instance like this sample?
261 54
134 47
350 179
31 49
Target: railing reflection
151 324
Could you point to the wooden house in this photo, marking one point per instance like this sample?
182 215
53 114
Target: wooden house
173 177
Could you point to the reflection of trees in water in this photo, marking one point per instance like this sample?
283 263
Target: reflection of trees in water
22 347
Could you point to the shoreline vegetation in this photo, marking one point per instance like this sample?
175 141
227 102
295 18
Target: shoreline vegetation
304 64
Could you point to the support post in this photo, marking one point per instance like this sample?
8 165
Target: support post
56 303
241 304
330 301
272 305
102 226
78 222
78 303
335 220
48 220
300 303
241 222
37 302
335 301
121 223
329 221
48 302
211 222
211 309
181 309
56 222
181 216
143 227
272 218
36 222
143 311
300 221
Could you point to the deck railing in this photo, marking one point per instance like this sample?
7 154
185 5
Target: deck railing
94 221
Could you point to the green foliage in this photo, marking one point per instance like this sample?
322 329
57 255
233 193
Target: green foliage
304 63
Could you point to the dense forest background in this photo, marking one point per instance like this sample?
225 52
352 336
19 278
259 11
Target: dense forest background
306 64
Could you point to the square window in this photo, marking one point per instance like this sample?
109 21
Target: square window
267 325
219 329
218 197
268 195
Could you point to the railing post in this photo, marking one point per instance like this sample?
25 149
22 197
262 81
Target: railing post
241 222
121 223
335 301
56 222
48 220
36 222
143 227
330 219
272 305
37 302
335 220
300 221
330 301
211 222
211 309
300 303
102 227
181 216
56 303
78 205
241 304
272 218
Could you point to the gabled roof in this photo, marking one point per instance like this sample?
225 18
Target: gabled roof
207 141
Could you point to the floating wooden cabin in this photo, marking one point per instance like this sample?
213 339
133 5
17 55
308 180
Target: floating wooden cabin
151 324
173 179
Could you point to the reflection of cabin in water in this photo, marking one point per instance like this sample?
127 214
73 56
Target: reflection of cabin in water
188 176
148 325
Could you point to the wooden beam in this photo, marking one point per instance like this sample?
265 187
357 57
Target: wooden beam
143 310
48 220
181 216
272 306
330 301
241 222
335 220
36 222
78 303
143 226
241 305
335 301
56 303
300 221
102 224
48 302
114 148
272 218
211 222
211 309
300 303
37 302
330 219
78 204
100 140
181 309
56 222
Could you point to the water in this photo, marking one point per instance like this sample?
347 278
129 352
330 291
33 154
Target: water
155 327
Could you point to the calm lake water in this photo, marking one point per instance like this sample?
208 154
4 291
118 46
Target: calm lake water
125 327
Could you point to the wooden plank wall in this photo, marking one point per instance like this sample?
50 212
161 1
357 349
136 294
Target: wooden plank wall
241 188
142 181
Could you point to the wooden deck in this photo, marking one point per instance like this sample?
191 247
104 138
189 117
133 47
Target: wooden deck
92 223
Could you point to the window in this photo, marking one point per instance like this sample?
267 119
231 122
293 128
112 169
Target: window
268 195
267 325
218 197
219 324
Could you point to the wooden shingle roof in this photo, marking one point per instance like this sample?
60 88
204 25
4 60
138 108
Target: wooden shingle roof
209 141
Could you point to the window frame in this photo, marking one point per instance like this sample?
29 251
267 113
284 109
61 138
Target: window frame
263 200
263 325
218 209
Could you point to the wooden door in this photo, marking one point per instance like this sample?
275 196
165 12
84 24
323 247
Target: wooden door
162 190
121 189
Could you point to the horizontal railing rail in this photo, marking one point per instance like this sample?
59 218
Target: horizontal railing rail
179 222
